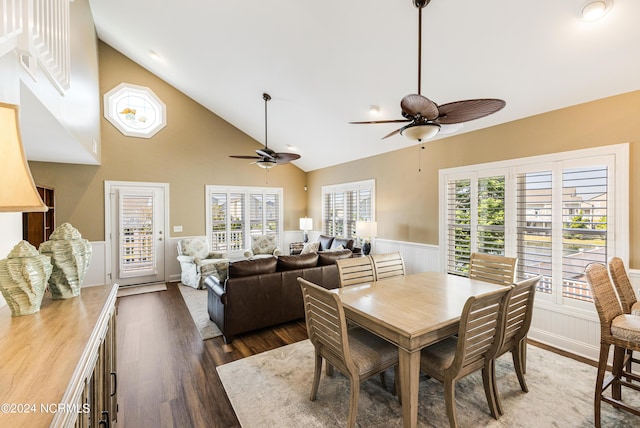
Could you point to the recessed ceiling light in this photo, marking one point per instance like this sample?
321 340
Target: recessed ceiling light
293 148
154 55
594 10
374 110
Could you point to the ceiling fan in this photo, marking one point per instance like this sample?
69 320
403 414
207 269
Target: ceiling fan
426 118
267 158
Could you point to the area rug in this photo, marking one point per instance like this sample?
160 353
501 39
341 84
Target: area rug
133 290
272 390
196 301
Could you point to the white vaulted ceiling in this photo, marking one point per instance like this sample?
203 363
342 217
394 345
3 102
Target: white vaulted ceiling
325 62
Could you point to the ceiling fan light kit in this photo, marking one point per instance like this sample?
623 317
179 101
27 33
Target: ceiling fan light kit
426 117
420 132
267 158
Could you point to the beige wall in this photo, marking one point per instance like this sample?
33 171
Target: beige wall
407 200
189 153
193 150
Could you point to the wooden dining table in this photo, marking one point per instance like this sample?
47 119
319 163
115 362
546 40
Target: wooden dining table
411 311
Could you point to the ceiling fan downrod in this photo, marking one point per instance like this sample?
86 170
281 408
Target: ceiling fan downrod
266 97
420 4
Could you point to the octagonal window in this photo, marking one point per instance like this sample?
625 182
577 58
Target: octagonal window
135 110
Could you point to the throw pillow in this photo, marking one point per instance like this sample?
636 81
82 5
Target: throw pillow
344 242
310 247
299 261
263 244
325 242
252 267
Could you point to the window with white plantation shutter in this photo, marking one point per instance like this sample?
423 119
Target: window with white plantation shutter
459 226
490 222
560 216
137 255
584 220
345 204
236 213
534 228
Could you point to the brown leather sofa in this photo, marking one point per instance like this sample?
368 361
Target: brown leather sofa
265 292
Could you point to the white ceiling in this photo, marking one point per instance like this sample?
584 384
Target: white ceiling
325 62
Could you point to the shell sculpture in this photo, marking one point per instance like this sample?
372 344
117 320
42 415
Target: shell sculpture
23 279
70 257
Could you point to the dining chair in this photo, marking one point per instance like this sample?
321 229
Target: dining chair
627 297
355 270
480 335
492 268
388 265
519 311
357 353
618 329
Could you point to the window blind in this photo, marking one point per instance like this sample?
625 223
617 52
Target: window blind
137 255
239 212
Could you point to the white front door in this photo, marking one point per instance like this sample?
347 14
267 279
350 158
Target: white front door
136 232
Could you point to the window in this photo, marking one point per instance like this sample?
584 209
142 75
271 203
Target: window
344 204
555 213
134 110
236 213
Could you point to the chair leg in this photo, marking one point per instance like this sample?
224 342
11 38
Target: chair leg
329 369
602 368
316 377
522 346
618 362
353 401
519 364
450 401
490 390
396 382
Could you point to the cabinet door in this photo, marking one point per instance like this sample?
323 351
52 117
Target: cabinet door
111 376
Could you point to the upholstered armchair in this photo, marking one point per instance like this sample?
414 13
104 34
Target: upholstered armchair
197 262
263 246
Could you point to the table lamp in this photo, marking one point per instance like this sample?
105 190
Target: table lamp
366 230
306 224
18 191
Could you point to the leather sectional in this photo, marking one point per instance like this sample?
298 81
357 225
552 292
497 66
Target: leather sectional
265 292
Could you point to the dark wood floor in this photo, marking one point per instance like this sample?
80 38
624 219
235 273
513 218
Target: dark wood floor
166 372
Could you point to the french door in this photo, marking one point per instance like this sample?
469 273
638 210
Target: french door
136 232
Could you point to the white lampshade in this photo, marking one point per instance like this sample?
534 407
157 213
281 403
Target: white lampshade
420 132
306 223
366 229
17 190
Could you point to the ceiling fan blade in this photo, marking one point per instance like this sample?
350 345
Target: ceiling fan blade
282 158
245 157
391 134
266 152
415 104
381 121
466 110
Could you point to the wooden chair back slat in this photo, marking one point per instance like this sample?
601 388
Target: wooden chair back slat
388 265
492 268
355 270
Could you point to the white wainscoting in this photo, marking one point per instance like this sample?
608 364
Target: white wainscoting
417 257
97 272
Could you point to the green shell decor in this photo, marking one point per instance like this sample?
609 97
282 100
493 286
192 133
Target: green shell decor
70 257
23 278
